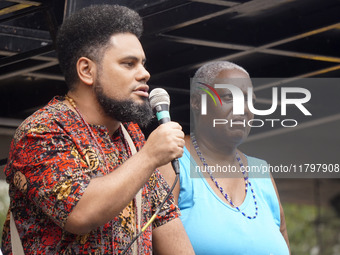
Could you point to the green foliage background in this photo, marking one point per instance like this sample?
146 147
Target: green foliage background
312 231
4 203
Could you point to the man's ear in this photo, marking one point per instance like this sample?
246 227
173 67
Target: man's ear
86 70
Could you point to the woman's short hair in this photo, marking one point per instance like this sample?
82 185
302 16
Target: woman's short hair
209 71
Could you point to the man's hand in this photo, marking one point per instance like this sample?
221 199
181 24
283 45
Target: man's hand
164 144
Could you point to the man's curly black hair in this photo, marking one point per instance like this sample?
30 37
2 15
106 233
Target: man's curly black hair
87 33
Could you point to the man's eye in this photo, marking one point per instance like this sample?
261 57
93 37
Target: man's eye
128 64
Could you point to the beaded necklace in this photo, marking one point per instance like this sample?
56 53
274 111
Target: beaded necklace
225 195
73 104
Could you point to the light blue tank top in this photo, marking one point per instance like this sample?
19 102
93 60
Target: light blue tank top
214 227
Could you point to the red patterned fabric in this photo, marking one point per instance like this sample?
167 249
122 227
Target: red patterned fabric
52 160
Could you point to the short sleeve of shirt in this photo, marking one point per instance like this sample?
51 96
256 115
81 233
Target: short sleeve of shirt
160 190
48 169
157 186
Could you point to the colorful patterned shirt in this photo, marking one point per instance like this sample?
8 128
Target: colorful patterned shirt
52 159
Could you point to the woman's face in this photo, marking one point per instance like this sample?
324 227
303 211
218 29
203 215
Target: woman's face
231 129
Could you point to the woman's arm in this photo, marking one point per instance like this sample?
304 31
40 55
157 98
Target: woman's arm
283 228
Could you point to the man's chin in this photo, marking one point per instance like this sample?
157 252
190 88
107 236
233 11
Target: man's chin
142 100
133 110
140 113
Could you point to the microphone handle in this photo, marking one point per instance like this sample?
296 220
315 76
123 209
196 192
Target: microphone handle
163 116
162 113
175 165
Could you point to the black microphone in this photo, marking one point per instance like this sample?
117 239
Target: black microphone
160 102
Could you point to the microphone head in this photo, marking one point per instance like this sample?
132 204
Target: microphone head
159 96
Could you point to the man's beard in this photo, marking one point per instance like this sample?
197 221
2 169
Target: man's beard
125 110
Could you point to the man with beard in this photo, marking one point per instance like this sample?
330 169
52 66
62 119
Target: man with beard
75 187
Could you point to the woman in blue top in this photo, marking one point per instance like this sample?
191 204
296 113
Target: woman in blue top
229 203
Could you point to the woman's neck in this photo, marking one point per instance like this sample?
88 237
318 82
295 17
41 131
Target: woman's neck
215 151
